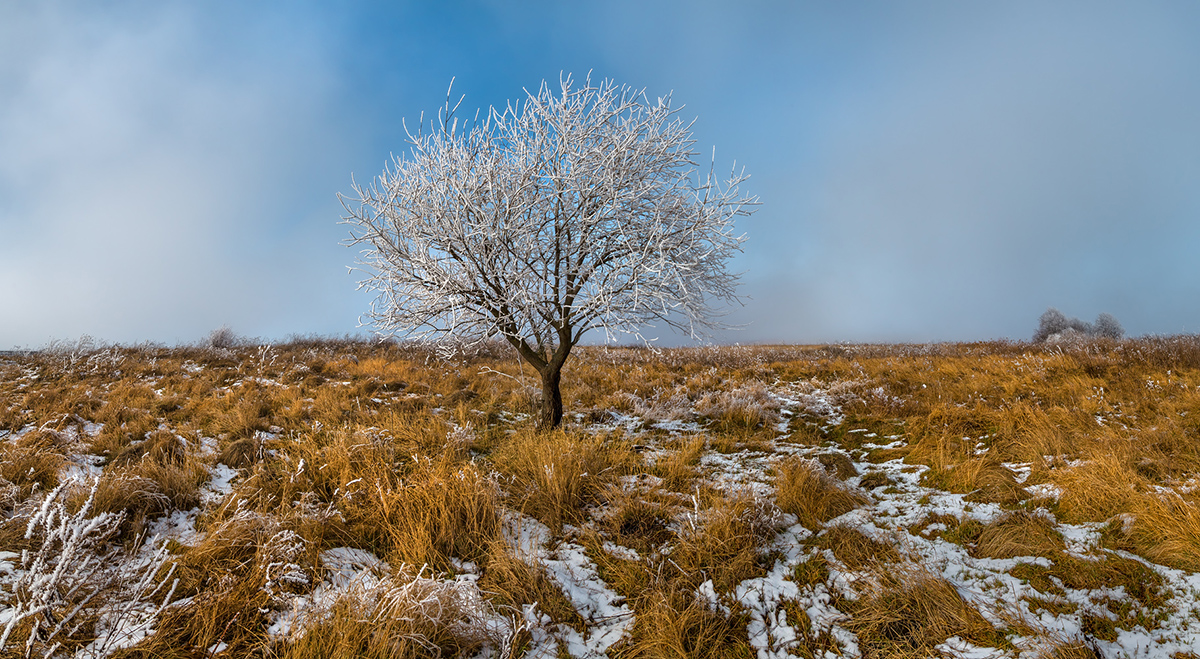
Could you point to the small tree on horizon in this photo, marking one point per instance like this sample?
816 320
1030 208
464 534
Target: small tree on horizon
577 209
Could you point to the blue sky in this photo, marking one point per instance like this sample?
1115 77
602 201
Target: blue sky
928 170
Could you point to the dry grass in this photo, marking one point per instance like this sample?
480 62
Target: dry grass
442 512
722 542
912 611
677 468
514 583
1167 530
804 489
1019 533
406 616
556 476
339 444
32 461
855 549
678 625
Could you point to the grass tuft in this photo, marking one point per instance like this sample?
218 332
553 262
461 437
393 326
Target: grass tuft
804 489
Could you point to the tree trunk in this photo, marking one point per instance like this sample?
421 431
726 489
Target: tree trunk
552 407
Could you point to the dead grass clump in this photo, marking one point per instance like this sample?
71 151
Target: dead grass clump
677 467
1019 533
122 427
804 489
1075 649
1166 529
247 409
232 611
637 521
913 611
875 479
557 475
513 582
446 510
982 479
408 615
1032 432
139 498
241 454
161 446
1105 486
381 493
855 549
678 624
947 432
722 542
12 417
245 566
32 461
838 464
745 407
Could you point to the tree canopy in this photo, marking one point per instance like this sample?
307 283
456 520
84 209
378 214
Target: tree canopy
576 209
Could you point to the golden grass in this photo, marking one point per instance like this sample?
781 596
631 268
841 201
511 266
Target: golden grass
677 625
722 541
911 611
855 549
513 582
804 489
677 468
360 459
409 616
555 476
446 511
1166 529
1019 533
32 461
1075 649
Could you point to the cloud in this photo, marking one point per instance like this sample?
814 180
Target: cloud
154 178
994 169
942 171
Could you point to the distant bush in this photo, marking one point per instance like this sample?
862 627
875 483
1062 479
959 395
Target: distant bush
1054 325
1108 327
223 337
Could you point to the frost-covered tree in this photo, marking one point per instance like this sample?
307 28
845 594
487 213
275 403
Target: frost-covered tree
579 208
1108 327
1053 323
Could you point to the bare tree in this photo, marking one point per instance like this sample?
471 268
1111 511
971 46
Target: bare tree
577 209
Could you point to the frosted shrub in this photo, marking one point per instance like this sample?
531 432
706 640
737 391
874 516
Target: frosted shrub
277 560
223 338
1107 327
662 406
750 404
1055 326
410 612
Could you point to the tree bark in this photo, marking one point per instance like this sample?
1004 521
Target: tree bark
552 406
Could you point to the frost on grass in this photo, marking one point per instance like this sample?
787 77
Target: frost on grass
405 607
72 581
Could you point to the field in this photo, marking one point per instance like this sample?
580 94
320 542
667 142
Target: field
354 499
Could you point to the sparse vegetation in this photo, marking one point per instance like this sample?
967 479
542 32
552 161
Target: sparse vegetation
322 498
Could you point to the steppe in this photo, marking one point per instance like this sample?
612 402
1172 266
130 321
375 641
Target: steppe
343 498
